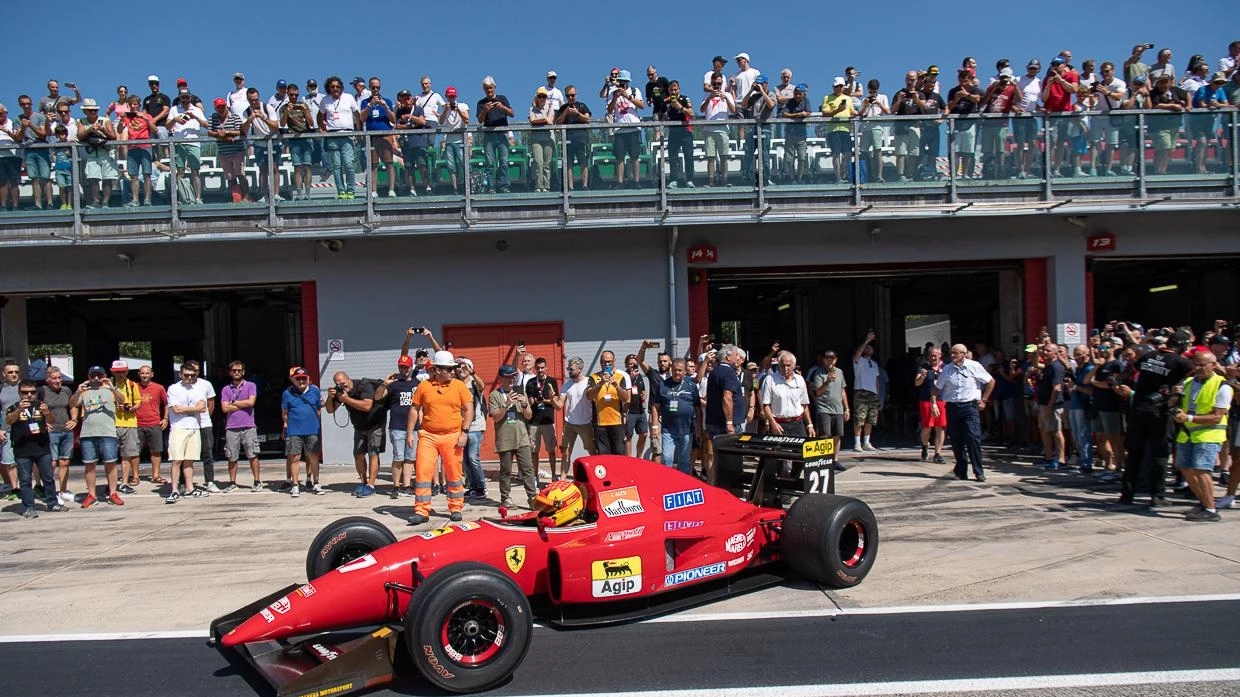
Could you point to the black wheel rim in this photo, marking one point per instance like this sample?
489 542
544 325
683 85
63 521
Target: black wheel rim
473 632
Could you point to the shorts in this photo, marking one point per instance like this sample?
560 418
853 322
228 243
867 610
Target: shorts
302 445
544 433
382 147
1127 127
577 154
10 169
626 144
1197 456
239 440
233 165
1025 130
1200 127
873 137
1163 139
908 143
1052 422
64 178
865 408
993 136
6 450
138 162
636 423
415 154
368 442
184 444
95 448
151 438
188 155
572 432
1110 422
928 419
1105 131
61 444
840 142
966 139
401 450
301 152
717 143
38 164
127 441
101 165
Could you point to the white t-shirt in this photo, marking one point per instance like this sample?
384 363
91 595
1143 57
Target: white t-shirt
577 409
181 396
452 120
743 80
338 114
865 374
207 391
787 397
312 101
260 128
717 108
555 99
626 109
873 108
1030 91
191 128
237 103
430 104
1106 103
274 104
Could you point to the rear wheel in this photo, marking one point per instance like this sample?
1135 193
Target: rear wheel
828 539
344 541
468 627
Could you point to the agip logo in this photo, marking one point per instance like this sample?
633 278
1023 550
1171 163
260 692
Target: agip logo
616 577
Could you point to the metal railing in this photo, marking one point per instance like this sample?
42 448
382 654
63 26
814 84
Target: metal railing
644 173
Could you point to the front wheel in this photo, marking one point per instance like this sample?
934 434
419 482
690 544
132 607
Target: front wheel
468 627
829 539
344 541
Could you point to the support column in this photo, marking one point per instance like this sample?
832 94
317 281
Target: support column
1066 289
1036 301
14 337
699 305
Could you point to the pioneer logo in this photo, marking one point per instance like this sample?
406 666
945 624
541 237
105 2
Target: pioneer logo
697 574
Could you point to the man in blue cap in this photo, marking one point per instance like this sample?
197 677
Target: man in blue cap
509 409
758 104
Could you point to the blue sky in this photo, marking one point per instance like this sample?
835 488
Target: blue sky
459 43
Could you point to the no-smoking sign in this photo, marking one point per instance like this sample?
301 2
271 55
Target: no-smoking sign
335 345
1071 333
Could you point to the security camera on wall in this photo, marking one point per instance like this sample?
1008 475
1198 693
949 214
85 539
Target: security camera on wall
332 245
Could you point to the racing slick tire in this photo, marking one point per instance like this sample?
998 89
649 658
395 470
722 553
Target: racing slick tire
468 627
828 539
344 541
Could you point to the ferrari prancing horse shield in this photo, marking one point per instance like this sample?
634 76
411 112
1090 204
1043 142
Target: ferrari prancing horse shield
515 556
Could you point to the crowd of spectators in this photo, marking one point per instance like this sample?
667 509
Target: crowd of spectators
1119 408
1086 131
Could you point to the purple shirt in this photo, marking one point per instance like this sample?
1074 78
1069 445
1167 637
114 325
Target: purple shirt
241 418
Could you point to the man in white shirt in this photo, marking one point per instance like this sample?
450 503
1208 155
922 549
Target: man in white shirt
719 106
965 386
237 102
578 414
555 98
1111 91
186 124
338 113
185 403
865 402
1025 127
785 400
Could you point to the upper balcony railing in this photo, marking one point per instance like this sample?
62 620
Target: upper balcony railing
643 174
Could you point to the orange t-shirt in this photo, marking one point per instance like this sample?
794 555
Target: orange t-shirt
441 405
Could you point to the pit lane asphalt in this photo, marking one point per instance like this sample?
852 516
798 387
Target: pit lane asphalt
719 654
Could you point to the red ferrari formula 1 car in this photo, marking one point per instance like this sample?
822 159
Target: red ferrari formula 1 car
627 539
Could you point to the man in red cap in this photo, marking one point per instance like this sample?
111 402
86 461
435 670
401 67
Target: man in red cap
397 393
183 84
300 409
453 118
225 127
126 425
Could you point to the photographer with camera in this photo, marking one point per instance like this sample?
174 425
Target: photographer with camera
1152 393
510 410
96 400
29 421
358 399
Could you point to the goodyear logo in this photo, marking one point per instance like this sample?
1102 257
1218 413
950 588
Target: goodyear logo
683 499
818 448
616 577
689 575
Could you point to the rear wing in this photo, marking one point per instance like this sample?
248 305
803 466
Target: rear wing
764 468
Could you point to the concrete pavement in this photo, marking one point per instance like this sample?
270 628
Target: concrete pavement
1024 535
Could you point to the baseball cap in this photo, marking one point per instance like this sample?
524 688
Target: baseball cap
298 372
420 353
182 81
551 73
96 370
1140 80
152 78
624 75
801 86
466 362
451 91
760 80
933 70
240 75
1219 339
1034 63
1006 72
120 366
356 79
507 371
1058 60
1180 338
404 93
542 91
718 59
404 361
837 81
281 83
220 101
741 55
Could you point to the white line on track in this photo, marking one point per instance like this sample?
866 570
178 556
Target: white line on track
1032 682
719 616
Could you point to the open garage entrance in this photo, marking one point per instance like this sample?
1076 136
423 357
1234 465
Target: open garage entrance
262 326
811 310
1166 292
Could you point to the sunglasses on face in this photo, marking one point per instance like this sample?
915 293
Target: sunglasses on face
28 393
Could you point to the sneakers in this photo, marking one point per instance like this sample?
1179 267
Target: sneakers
56 507
938 459
295 491
455 517
66 497
366 490
870 447
30 513
212 488
357 491
256 487
126 489
395 494
232 486
89 501
172 497
1201 515
317 489
417 519
114 498
197 494
857 448
1225 502
925 453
